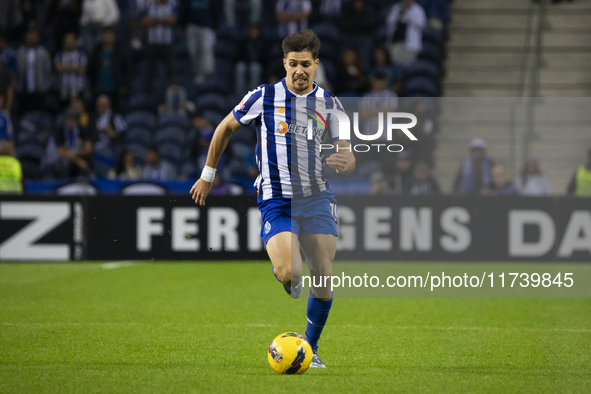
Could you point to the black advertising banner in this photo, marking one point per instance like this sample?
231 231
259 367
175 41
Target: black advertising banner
384 228
42 229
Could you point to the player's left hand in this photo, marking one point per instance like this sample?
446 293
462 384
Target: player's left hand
341 163
200 190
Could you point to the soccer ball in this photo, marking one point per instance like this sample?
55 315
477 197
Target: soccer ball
289 354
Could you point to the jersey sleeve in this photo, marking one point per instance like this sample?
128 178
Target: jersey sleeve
250 108
333 122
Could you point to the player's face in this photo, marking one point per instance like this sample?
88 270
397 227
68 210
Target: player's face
300 68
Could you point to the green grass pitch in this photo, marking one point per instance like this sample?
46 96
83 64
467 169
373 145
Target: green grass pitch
178 327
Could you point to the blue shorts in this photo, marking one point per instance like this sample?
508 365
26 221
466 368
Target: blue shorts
315 214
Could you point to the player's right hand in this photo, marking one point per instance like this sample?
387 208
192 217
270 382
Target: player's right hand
200 190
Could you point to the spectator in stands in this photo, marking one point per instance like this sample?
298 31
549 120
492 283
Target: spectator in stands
66 19
70 65
381 64
11 16
330 10
158 169
437 12
532 181
109 68
203 131
75 146
250 60
8 56
379 184
11 173
358 23
77 105
405 23
501 186
292 16
6 129
109 126
97 15
200 134
351 79
6 89
176 100
125 169
474 176
240 14
201 17
159 19
423 130
421 182
580 184
378 100
400 174
34 73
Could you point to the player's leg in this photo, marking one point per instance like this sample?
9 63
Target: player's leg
284 251
320 250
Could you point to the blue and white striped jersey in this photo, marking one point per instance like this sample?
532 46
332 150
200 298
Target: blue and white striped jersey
289 164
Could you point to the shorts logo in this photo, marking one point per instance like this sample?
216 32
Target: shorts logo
267 227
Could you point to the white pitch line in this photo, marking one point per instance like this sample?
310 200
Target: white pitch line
529 329
117 264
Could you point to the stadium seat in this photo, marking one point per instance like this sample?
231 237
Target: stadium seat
186 81
103 163
241 151
170 134
327 32
420 86
182 66
379 38
142 102
432 52
138 135
211 101
329 51
212 85
31 155
225 49
171 152
31 150
180 49
40 119
432 35
224 69
24 136
228 33
178 120
330 68
142 119
139 152
215 117
189 168
423 68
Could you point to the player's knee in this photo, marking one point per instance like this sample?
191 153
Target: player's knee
283 273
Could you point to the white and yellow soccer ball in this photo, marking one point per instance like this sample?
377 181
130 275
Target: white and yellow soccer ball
289 354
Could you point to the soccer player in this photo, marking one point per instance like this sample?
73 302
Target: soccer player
298 209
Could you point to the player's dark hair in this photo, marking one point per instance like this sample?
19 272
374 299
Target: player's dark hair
304 41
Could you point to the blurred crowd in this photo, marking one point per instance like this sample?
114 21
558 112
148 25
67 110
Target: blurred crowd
479 175
134 88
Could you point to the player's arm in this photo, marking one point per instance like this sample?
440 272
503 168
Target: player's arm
343 160
218 144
